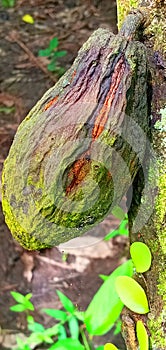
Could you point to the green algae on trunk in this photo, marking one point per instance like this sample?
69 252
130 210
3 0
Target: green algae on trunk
74 155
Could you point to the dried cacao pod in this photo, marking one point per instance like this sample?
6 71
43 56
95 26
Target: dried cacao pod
73 156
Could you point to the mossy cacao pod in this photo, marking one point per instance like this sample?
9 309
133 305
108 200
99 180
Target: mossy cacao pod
73 156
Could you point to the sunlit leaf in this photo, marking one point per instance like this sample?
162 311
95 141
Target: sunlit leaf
57 314
118 326
142 336
66 302
28 18
73 327
121 230
18 308
62 332
18 297
141 256
36 327
106 306
132 294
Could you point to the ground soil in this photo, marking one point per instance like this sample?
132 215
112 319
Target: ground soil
24 78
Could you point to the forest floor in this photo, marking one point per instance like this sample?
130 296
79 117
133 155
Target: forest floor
24 78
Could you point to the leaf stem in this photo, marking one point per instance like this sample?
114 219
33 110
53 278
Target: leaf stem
84 339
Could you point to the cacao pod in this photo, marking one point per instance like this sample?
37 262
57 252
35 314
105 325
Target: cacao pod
73 157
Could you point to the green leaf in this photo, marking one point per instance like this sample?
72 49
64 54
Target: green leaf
141 256
121 230
105 307
142 336
28 296
118 213
36 327
66 302
44 53
21 345
46 338
80 315
103 277
57 314
62 332
53 43
118 326
101 347
51 66
73 327
7 110
67 344
18 297
132 294
29 305
30 319
8 3
60 53
18 308
52 331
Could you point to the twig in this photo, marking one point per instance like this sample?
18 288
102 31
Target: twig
14 37
55 263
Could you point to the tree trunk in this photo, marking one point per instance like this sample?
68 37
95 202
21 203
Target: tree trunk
147 211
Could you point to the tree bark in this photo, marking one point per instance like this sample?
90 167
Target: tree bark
147 211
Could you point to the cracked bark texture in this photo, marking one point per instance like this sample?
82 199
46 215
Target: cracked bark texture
151 230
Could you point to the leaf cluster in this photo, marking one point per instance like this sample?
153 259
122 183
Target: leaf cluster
52 53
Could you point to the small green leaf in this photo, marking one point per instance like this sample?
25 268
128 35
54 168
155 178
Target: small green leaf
36 327
52 331
53 43
105 307
28 296
28 305
44 53
73 327
110 346
60 53
141 256
51 66
22 345
66 302
132 294
118 326
80 315
67 344
46 338
118 213
62 332
103 277
142 336
30 319
7 110
18 308
8 3
18 297
101 347
57 314
121 230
